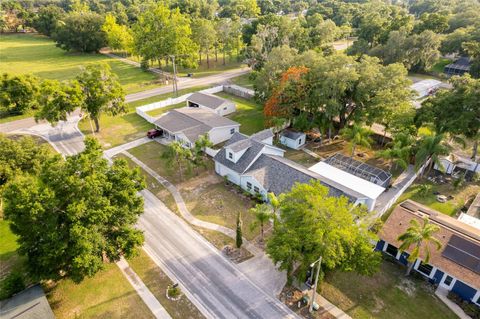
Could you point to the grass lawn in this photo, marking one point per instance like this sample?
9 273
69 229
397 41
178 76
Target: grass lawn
157 281
106 295
387 294
150 154
9 258
160 97
160 111
438 67
203 70
450 207
213 201
249 114
37 54
153 185
117 130
243 80
299 156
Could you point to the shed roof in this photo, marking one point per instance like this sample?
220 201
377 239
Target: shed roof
347 180
210 101
293 135
399 221
28 304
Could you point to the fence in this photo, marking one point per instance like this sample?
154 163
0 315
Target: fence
232 89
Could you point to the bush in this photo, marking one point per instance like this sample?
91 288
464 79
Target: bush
173 292
424 189
458 182
11 285
144 65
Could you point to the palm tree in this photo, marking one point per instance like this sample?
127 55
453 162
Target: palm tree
399 152
262 213
417 235
199 155
357 135
177 155
431 147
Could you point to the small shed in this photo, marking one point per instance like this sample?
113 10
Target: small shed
210 102
459 67
292 139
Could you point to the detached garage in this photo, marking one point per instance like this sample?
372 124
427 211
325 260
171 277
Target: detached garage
292 139
213 103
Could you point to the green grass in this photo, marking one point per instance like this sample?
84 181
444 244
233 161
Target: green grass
203 70
117 130
243 80
440 65
8 244
158 112
249 114
451 207
38 55
299 156
157 282
387 294
160 97
106 295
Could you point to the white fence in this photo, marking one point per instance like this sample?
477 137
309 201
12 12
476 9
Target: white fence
232 89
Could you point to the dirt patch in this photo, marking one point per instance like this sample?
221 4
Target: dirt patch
379 304
293 298
205 179
237 255
407 286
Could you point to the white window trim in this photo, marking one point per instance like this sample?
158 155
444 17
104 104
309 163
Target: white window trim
442 281
432 273
476 298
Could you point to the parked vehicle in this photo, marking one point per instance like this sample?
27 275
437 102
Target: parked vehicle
154 133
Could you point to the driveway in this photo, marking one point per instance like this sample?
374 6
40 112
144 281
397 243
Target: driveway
213 283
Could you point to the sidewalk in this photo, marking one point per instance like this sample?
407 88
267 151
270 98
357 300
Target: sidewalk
148 298
442 294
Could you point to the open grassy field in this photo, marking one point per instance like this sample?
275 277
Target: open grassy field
9 258
452 206
106 295
38 55
387 294
243 80
249 113
160 111
157 282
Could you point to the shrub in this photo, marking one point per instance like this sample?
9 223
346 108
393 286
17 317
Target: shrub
424 189
11 285
173 292
144 65
458 182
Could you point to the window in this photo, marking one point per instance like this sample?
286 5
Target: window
256 189
425 269
230 155
392 250
249 186
448 280
299 141
232 131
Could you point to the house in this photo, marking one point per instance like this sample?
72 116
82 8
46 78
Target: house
292 139
187 124
28 304
425 88
253 163
366 191
211 102
459 67
454 163
455 267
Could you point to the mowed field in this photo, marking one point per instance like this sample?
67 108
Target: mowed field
38 55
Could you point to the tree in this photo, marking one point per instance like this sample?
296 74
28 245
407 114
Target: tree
103 93
119 37
431 147
313 224
262 213
419 236
463 101
238 232
204 35
75 214
178 157
399 151
199 155
240 8
160 33
357 135
436 22
59 99
18 93
81 31
47 19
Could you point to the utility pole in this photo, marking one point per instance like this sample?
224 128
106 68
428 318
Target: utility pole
319 261
175 87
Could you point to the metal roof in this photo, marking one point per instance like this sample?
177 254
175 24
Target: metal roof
207 100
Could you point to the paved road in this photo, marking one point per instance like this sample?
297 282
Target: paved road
185 83
213 282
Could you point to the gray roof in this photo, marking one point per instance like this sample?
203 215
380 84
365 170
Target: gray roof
262 135
193 122
207 100
240 145
247 158
28 304
278 175
292 134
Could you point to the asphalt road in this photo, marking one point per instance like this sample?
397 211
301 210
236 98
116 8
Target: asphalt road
185 83
214 284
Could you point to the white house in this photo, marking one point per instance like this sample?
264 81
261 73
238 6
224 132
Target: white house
292 139
187 124
211 102
454 161
367 192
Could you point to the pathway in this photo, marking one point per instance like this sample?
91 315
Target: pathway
311 153
442 294
152 303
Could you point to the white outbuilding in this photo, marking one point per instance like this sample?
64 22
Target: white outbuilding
292 139
210 102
